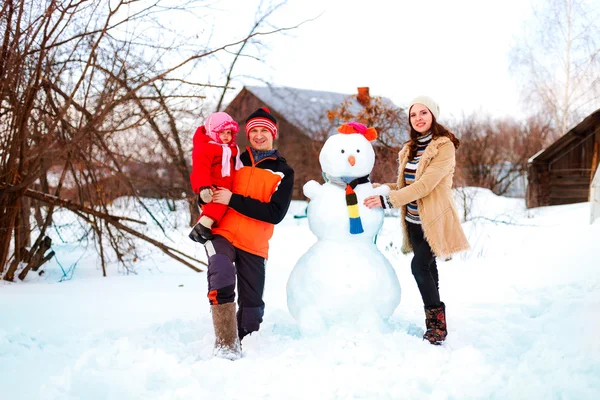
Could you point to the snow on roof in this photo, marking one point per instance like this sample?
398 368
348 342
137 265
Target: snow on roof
530 159
582 131
305 108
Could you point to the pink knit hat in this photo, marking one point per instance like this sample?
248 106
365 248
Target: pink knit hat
218 122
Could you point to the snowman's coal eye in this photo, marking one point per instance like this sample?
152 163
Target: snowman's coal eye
343 151
358 150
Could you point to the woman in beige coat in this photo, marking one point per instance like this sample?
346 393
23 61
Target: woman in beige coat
430 224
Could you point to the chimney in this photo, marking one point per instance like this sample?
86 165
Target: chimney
363 96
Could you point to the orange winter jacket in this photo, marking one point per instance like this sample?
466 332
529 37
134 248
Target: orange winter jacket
262 192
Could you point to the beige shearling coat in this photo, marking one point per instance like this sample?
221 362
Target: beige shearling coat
432 190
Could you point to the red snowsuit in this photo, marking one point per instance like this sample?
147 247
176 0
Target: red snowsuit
207 167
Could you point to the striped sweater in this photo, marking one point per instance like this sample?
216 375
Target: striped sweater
412 210
410 171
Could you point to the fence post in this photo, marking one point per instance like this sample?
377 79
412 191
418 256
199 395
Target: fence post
595 197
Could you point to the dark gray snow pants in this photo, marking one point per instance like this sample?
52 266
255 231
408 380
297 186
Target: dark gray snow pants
225 264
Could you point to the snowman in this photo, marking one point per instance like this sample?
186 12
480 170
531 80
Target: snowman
343 277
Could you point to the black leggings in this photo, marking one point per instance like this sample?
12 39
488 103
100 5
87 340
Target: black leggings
424 267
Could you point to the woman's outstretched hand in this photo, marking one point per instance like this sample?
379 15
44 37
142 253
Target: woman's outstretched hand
373 202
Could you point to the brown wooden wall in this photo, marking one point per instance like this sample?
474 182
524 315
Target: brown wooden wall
565 177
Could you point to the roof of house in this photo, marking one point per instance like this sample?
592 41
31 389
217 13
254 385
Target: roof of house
305 108
580 132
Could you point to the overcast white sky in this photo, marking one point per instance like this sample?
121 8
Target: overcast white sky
454 51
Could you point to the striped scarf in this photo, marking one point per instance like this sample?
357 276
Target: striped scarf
226 159
352 203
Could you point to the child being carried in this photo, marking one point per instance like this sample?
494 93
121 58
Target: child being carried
215 157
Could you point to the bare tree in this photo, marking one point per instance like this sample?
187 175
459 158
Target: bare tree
261 19
557 59
493 153
82 84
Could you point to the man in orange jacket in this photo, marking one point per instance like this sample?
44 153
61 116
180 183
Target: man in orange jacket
260 197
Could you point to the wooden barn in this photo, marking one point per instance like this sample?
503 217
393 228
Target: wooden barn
563 172
302 116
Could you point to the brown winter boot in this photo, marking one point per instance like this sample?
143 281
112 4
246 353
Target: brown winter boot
435 320
227 343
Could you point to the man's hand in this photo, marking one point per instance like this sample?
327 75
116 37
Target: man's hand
206 195
222 196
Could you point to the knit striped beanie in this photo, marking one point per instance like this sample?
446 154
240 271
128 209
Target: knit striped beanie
262 118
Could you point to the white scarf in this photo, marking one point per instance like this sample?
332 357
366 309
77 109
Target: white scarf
225 164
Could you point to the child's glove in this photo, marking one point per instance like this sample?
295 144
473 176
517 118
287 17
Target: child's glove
206 194
200 233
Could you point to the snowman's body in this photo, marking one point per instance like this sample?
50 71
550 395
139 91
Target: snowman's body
343 277
328 212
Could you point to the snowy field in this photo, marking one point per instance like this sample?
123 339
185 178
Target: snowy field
523 310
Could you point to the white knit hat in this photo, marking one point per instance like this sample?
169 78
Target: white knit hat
427 102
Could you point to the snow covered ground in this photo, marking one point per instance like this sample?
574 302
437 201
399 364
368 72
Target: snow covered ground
523 309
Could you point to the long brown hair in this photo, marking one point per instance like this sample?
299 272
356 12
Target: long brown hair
437 130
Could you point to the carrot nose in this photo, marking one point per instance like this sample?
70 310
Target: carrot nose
352 160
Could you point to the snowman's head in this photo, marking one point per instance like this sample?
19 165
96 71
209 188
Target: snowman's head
347 155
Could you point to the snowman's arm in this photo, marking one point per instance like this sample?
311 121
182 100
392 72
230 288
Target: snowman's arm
382 190
311 189
392 186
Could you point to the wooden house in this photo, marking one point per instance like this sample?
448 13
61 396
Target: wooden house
562 173
302 116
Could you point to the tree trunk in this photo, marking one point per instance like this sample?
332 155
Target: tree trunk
8 206
194 211
25 223
21 236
